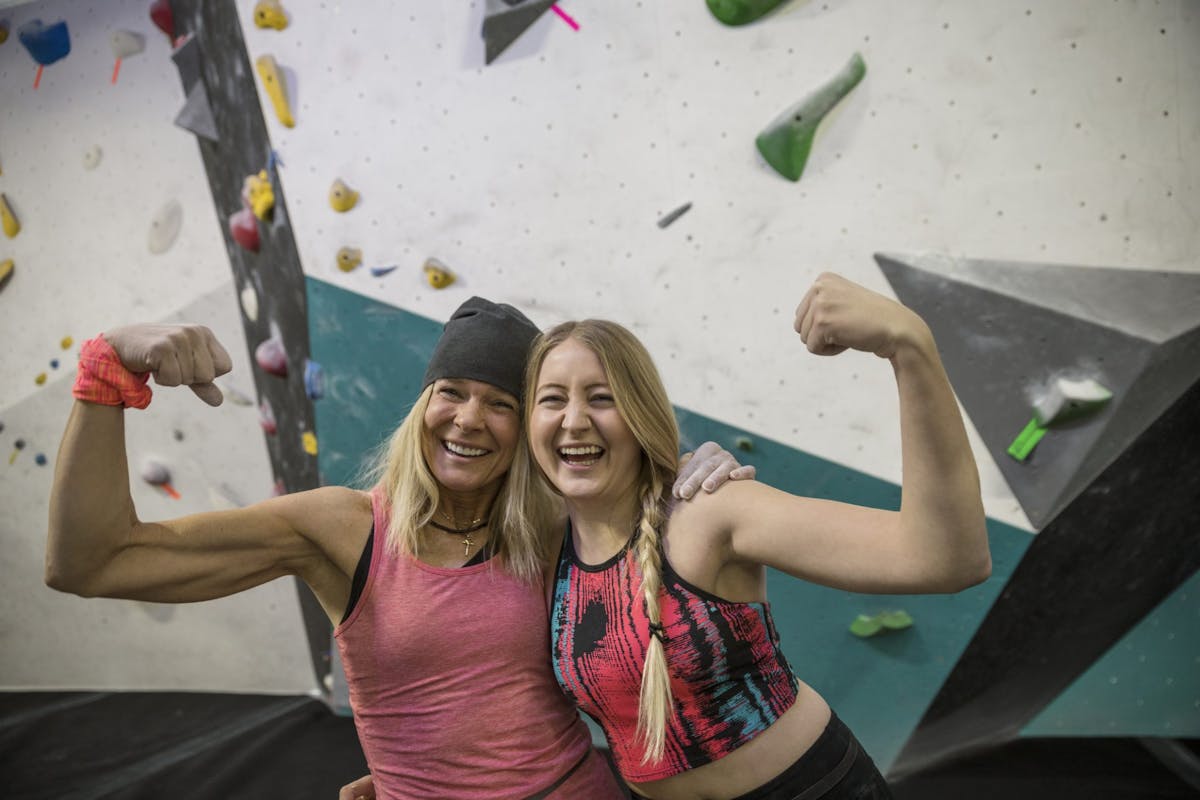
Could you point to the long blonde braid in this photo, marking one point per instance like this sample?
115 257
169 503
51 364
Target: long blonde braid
655 704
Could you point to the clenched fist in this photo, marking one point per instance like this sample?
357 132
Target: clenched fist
178 355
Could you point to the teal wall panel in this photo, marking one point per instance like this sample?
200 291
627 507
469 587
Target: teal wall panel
1147 684
374 356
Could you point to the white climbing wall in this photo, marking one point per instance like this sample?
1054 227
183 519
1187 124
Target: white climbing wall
1053 132
83 264
1060 131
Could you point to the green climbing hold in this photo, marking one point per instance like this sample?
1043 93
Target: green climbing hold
745 443
865 626
740 12
786 142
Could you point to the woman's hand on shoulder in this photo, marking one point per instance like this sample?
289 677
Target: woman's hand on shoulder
708 468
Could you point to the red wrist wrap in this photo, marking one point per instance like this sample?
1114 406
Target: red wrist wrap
103 379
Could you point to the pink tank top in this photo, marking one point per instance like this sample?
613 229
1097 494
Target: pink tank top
451 683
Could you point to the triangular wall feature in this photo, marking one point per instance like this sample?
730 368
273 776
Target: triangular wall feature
1007 330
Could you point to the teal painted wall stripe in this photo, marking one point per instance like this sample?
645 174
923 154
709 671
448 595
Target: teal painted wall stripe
374 356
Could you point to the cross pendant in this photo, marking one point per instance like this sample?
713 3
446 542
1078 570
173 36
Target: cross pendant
468 543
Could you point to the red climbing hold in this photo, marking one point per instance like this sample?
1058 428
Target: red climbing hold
160 13
243 227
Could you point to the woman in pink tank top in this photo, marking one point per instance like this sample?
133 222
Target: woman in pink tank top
445 647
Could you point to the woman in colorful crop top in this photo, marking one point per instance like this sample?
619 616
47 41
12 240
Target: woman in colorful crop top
433 578
660 626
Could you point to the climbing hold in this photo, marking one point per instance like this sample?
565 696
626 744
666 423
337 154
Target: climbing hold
745 443
342 197
3 32
66 342
40 379
865 626
786 142
243 227
249 299
269 14
164 228
18 446
1068 400
314 380
40 459
46 43
266 417
309 440
438 274
741 12
156 473
505 20
258 194
6 271
348 258
91 157
9 220
124 44
178 434
164 20
272 356
674 215
54 363
379 272
272 78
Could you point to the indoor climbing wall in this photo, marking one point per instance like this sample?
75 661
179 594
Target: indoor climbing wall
117 224
649 163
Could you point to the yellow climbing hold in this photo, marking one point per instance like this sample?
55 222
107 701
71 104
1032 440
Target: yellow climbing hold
11 226
272 78
40 379
66 342
342 197
438 274
6 269
309 439
348 258
3 32
269 14
257 192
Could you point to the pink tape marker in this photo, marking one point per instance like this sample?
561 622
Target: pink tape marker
565 17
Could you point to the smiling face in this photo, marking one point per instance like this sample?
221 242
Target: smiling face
578 437
470 434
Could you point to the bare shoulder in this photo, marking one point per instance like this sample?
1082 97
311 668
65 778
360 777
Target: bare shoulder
713 511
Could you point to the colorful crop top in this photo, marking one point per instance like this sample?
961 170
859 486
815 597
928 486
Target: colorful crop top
729 679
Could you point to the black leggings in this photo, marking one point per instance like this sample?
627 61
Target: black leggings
835 768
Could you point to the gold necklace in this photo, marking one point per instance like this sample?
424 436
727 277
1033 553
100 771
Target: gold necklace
468 541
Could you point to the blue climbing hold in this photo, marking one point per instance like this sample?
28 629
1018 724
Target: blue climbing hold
314 380
46 43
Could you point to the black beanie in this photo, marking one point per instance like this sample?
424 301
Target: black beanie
484 341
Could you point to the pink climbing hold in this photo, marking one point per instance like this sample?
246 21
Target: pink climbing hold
243 227
271 356
266 418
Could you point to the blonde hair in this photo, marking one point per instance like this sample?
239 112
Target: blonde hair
641 400
520 515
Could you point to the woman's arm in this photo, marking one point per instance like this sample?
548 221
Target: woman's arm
937 541
97 546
